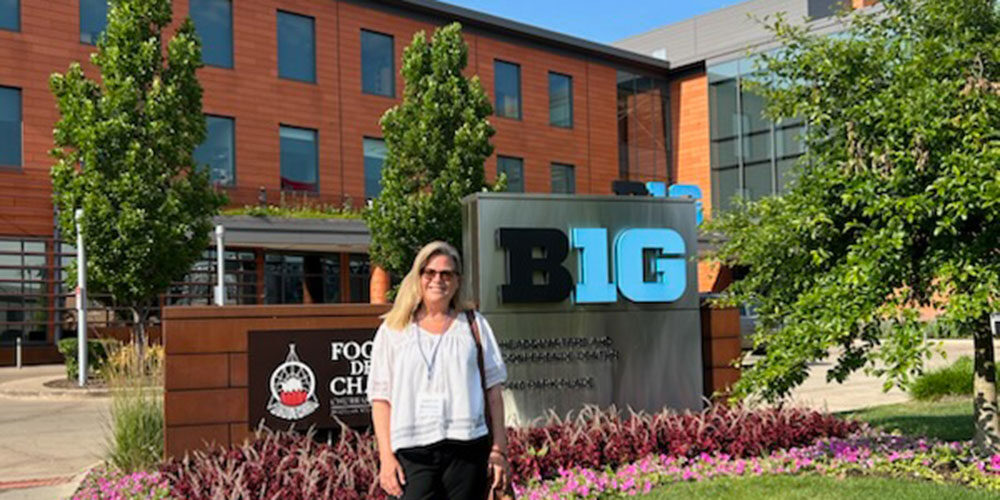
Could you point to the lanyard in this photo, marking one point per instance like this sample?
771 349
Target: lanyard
429 362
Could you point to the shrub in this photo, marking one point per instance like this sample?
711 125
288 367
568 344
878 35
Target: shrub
97 355
291 466
284 465
596 438
953 380
136 382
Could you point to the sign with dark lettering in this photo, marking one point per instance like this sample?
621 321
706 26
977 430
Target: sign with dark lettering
309 378
593 299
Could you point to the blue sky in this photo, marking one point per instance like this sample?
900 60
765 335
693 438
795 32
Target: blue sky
597 20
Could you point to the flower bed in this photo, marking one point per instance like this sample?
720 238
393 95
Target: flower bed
104 484
865 453
292 466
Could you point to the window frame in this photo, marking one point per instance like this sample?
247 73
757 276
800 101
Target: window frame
232 120
496 94
80 23
363 158
17 19
392 63
312 21
20 133
315 133
571 168
569 103
520 164
232 37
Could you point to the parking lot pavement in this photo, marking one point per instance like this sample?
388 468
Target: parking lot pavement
45 441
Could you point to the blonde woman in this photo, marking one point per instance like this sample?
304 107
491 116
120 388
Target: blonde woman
430 367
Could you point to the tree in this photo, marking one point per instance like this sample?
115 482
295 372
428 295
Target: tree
895 205
437 139
123 151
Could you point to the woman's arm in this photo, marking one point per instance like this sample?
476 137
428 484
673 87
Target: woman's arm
390 473
499 465
495 397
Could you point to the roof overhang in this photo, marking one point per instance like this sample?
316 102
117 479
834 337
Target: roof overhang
308 235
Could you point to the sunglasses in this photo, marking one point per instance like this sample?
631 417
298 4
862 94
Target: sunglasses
446 275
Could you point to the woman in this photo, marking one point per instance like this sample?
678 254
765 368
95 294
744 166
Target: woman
428 405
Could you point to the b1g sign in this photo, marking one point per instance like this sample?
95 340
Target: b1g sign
309 378
594 299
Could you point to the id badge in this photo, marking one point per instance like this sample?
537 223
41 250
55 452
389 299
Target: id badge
430 406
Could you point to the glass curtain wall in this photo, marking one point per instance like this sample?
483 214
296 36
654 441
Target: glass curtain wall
751 155
24 291
198 285
643 128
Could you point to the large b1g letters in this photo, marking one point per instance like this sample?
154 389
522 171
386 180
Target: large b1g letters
660 278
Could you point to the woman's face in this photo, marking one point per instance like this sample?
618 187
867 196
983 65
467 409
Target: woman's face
438 280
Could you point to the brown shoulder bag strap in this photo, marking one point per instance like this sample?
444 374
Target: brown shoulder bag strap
470 315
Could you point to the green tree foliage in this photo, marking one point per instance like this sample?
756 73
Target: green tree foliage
124 155
895 206
437 139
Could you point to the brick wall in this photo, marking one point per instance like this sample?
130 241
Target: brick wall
260 102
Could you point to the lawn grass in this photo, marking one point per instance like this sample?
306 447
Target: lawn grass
814 487
949 418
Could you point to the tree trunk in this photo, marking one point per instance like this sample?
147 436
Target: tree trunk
984 390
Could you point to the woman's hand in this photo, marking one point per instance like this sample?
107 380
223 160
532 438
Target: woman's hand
390 476
499 470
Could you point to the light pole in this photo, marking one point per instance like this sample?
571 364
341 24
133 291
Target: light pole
81 302
220 262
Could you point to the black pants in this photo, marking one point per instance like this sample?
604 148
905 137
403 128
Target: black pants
446 470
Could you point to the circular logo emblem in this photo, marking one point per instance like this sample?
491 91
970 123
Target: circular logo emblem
293 389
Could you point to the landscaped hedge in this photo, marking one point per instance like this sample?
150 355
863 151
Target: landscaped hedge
97 355
292 466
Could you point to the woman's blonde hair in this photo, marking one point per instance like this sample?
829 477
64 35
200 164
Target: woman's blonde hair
409 297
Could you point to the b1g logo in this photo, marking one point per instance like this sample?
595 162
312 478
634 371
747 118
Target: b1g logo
649 265
293 389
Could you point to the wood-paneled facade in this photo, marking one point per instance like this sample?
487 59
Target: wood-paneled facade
259 101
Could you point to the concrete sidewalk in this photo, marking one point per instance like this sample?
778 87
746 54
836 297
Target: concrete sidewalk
48 437
860 390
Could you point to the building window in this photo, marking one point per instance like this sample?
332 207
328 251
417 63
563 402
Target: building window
296 47
560 100
213 20
10 127
563 178
24 291
315 278
217 153
514 168
507 87
10 15
643 128
375 152
299 159
359 277
197 287
93 19
378 74
751 156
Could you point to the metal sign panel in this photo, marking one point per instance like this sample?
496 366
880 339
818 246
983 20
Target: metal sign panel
623 332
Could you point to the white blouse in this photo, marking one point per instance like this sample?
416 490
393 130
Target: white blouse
432 381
